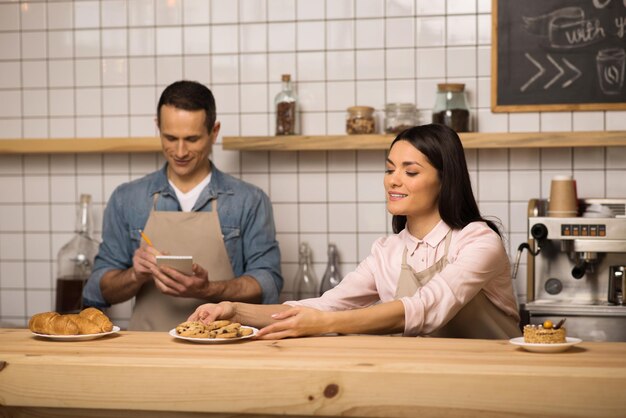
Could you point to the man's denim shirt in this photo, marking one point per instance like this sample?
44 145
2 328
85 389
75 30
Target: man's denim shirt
245 215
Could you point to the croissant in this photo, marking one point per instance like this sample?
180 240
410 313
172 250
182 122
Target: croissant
85 326
53 323
100 319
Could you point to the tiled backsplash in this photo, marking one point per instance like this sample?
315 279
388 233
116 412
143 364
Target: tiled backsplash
96 68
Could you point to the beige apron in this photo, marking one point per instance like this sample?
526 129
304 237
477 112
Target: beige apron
180 233
479 318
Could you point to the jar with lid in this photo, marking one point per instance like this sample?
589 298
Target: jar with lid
399 116
286 108
360 120
451 107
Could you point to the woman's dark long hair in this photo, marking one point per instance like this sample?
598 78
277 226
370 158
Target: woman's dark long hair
443 148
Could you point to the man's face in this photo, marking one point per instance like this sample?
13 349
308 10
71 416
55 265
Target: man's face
186 143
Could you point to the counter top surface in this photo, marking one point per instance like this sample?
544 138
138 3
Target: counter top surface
325 376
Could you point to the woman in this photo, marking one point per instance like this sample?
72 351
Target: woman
443 273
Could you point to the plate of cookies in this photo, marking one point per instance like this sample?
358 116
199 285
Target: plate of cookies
221 331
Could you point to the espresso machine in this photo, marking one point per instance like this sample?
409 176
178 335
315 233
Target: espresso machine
576 269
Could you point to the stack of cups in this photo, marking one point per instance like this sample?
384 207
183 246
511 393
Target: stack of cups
563 200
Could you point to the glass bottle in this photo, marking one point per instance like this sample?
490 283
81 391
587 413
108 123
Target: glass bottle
360 120
286 108
399 116
75 260
451 107
305 280
332 276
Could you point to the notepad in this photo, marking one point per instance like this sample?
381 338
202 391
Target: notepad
182 263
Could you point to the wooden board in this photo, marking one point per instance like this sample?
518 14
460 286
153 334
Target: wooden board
558 55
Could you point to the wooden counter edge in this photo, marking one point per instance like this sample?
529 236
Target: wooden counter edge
471 140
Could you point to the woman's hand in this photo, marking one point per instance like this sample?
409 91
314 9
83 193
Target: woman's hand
297 321
210 312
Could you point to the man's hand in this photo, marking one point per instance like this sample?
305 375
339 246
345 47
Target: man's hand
144 262
174 283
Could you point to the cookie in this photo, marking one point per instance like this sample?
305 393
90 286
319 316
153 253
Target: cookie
192 329
227 335
230 328
217 324
244 332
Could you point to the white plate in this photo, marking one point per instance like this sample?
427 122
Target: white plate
214 340
80 337
545 348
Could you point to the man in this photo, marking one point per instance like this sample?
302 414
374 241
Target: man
188 207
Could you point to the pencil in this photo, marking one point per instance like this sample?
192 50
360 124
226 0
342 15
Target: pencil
145 238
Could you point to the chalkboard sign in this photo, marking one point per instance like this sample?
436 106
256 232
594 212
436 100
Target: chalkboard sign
558 55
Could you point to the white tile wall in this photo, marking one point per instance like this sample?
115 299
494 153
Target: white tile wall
95 68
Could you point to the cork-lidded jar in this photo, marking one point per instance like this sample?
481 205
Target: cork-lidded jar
360 120
451 107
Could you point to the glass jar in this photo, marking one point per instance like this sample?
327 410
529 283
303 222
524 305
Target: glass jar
399 116
451 107
360 120
286 108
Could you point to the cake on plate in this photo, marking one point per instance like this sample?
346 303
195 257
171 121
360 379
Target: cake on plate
546 333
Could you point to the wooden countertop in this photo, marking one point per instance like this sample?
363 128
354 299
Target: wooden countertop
140 373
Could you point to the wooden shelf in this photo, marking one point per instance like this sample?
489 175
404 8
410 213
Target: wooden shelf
79 145
472 140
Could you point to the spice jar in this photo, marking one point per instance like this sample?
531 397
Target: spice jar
399 116
360 120
451 107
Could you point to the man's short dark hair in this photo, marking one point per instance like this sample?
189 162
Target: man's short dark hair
189 95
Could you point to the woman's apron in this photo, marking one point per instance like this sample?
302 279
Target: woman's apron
479 318
180 233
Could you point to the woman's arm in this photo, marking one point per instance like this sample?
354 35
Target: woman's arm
298 321
244 313
282 321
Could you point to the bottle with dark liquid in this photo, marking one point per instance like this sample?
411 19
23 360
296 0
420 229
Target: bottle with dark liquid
74 262
305 281
451 107
286 108
332 276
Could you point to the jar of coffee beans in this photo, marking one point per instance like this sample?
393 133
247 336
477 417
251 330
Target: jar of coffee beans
451 107
360 120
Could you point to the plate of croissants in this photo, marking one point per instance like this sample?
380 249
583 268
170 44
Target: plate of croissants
88 324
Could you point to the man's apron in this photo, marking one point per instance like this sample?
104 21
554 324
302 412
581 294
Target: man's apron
479 318
180 233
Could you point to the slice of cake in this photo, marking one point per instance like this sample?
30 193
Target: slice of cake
546 333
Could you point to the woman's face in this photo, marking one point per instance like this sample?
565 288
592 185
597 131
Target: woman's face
411 183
